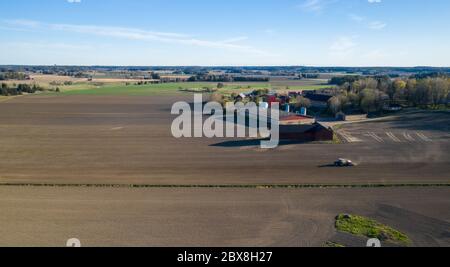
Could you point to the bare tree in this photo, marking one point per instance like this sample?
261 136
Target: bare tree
439 90
302 102
335 104
216 97
372 100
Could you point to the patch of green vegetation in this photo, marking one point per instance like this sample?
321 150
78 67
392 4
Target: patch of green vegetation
362 226
230 88
148 89
89 88
304 87
236 88
336 140
436 107
330 244
122 89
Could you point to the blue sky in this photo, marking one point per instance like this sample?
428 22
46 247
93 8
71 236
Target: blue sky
226 32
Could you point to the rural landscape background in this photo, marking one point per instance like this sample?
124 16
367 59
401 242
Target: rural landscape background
87 152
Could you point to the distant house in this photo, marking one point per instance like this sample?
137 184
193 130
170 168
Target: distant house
271 99
240 97
283 99
295 94
318 100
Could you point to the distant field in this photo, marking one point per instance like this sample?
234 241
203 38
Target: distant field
174 88
132 90
170 88
116 86
45 80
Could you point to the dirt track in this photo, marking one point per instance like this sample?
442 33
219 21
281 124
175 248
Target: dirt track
127 140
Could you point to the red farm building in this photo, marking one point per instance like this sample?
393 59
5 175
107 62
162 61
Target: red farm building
303 128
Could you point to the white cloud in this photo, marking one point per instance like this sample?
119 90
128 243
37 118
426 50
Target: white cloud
73 1
235 40
142 35
24 23
373 25
356 18
47 45
315 6
376 55
269 31
343 46
377 25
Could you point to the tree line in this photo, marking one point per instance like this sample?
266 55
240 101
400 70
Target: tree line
6 90
12 75
226 78
372 94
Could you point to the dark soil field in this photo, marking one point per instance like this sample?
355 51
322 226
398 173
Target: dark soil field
106 141
31 216
127 140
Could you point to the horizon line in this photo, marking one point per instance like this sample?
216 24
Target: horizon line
219 66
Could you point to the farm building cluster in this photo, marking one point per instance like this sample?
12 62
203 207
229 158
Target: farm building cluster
292 101
295 124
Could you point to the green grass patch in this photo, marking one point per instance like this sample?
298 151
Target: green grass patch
87 88
336 140
442 107
362 226
303 87
149 89
132 90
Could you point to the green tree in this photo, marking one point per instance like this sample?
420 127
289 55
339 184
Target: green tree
372 100
353 100
397 89
4 89
156 76
422 95
439 90
410 92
